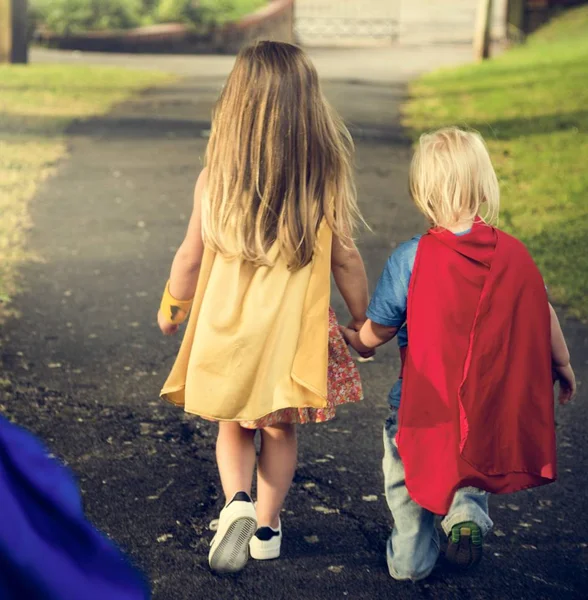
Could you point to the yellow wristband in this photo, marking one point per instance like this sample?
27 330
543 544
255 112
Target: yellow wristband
175 311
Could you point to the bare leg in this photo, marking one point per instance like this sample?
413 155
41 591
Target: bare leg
235 457
275 471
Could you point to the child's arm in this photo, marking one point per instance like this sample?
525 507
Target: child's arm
387 310
369 337
560 358
351 279
186 264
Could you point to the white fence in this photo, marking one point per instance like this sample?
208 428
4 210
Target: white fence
349 22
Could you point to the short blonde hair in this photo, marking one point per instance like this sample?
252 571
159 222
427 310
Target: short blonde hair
451 177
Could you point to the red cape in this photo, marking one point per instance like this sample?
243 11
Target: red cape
477 403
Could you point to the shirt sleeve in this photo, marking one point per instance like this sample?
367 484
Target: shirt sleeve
388 304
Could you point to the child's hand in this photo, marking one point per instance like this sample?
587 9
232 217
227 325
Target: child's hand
356 324
567 383
166 327
351 336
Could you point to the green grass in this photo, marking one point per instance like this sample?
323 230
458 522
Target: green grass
231 10
37 103
531 105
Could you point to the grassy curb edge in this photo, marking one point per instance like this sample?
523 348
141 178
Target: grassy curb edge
530 105
37 104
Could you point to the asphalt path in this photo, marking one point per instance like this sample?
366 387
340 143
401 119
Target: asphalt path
86 362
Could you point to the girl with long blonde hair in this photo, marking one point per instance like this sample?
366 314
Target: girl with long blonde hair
274 212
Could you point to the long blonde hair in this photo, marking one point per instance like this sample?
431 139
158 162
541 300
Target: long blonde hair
279 160
452 178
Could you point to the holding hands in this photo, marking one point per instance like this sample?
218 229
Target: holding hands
351 337
368 337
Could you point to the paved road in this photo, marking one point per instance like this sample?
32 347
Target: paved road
86 363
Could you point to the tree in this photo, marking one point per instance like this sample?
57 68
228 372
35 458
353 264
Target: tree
515 18
5 30
14 39
482 33
20 32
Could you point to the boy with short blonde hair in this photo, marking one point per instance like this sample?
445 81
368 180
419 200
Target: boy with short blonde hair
480 346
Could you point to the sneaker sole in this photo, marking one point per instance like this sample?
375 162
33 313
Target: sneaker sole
464 554
232 552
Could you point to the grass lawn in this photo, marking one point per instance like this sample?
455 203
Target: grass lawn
531 105
37 103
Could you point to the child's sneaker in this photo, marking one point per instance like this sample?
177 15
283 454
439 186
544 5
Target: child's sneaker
266 543
464 545
229 549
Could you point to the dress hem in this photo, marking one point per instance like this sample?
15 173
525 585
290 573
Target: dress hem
251 422
163 395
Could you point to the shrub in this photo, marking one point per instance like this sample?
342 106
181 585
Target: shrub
74 16
222 11
178 11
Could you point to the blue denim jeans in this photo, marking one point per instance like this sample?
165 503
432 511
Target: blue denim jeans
413 547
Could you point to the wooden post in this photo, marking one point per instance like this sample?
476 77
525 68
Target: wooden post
20 32
483 27
5 30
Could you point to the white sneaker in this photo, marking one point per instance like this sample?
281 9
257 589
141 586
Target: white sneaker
229 549
266 543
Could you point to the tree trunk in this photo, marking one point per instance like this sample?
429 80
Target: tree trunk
5 30
20 32
515 27
482 33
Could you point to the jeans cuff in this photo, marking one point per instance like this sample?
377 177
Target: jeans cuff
413 578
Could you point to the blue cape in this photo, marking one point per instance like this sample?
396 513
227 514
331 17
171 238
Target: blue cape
48 550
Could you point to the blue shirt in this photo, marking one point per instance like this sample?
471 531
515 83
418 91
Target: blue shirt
388 304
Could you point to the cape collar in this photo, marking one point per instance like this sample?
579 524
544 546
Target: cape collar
477 245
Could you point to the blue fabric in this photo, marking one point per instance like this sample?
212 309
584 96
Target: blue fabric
48 550
395 394
388 304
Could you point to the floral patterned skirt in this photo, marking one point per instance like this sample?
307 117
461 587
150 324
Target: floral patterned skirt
343 386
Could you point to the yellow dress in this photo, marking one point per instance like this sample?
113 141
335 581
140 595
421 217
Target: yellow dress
257 338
